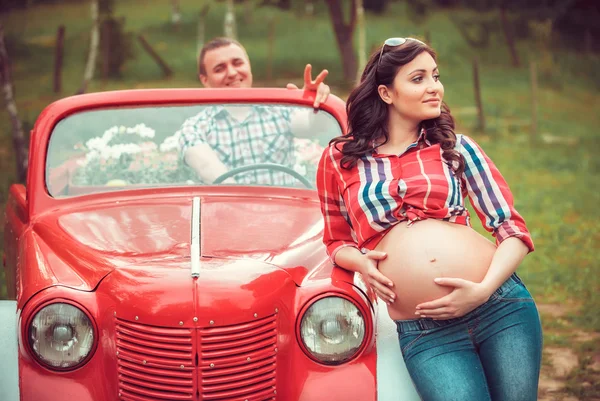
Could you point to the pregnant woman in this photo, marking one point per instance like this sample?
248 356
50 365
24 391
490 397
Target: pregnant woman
393 195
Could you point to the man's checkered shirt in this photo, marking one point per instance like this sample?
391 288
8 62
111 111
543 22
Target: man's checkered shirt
263 137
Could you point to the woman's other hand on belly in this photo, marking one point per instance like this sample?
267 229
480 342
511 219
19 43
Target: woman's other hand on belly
375 279
465 296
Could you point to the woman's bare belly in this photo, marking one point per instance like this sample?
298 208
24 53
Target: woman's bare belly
428 249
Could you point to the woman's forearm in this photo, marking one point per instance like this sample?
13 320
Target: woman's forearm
350 258
508 256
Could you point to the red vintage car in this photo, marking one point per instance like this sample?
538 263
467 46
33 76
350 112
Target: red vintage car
130 278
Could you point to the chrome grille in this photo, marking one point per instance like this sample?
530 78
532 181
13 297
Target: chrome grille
155 363
238 362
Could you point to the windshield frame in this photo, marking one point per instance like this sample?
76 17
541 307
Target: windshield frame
40 199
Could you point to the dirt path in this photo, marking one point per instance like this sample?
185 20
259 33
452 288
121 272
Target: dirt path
571 361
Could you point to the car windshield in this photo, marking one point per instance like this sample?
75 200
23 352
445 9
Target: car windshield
124 148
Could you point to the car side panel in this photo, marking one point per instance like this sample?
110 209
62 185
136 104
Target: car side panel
9 368
16 222
393 380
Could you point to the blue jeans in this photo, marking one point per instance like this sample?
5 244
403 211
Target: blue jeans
492 353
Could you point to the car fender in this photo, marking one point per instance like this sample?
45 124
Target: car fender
9 368
393 381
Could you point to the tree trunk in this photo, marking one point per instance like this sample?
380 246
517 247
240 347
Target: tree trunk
249 12
510 41
106 33
58 58
344 36
271 46
18 135
175 14
534 102
167 71
94 44
478 101
362 38
309 8
229 27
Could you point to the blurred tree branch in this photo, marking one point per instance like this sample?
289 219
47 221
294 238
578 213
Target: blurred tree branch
344 36
94 46
475 33
229 27
18 136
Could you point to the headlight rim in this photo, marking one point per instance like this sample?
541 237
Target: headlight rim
368 327
27 334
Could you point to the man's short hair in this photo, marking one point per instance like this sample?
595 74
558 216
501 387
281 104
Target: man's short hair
215 43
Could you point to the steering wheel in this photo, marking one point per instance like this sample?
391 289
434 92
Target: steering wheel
263 166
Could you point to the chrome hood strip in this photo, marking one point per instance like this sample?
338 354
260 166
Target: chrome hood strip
195 240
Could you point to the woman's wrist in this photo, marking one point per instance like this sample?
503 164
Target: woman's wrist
351 258
486 289
364 264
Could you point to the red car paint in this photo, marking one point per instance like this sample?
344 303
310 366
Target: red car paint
123 257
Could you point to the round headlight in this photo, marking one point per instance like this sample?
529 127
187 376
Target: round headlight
332 330
61 335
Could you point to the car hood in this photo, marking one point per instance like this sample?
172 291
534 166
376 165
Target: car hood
95 240
226 291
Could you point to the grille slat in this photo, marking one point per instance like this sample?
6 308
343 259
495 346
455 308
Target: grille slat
150 360
153 385
238 360
155 352
174 381
128 389
242 334
153 343
239 350
266 387
166 333
236 343
156 373
235 329
207 372
156 338
240 377
243 359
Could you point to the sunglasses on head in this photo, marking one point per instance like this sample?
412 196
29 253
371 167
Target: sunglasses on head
393 42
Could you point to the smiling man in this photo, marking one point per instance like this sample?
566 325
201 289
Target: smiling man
221 138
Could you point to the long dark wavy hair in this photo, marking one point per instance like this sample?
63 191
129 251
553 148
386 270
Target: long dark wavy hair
368 113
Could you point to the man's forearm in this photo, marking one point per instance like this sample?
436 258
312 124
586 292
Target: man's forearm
306 123
205 162
303 123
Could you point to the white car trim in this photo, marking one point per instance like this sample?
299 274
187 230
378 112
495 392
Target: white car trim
9 357
393 380
195 239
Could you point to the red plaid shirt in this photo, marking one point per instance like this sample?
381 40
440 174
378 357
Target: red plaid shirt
360 205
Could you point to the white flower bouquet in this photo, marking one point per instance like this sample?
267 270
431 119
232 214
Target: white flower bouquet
129 155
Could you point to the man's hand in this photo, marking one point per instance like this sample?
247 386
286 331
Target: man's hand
317 85
465 296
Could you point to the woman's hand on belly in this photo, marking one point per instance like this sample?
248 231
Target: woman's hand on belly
374 278
465 296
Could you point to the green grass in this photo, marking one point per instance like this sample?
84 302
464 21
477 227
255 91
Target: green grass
584 381
552 184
